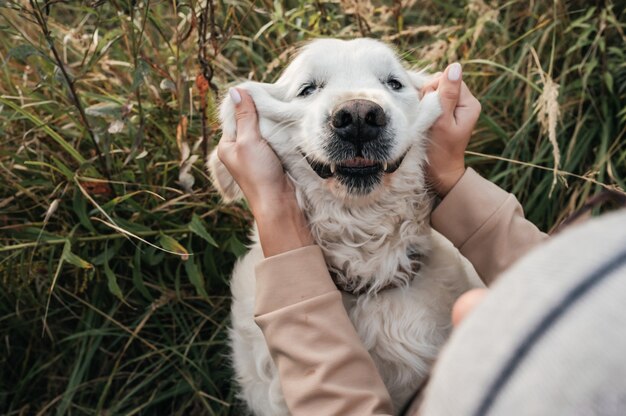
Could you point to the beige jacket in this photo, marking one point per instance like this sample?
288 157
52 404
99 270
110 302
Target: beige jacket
323 367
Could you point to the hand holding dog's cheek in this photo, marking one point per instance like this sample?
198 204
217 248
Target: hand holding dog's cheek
451 133
250 159
259 173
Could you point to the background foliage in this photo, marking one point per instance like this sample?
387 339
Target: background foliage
114 250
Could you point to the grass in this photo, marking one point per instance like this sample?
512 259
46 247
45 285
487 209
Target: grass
114 249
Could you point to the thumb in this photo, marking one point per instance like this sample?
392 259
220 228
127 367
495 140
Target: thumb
245 112
450 88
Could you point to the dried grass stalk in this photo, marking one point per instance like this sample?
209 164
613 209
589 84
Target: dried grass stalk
548 114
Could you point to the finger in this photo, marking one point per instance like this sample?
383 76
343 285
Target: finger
465 95
466 303
468 106
430 86
245 113
450 88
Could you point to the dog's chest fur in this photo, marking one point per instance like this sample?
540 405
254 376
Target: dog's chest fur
370 248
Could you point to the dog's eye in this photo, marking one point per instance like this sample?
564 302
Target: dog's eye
394 84
307 90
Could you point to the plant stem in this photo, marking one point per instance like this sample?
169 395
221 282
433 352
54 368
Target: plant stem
92 238
206 24
41 20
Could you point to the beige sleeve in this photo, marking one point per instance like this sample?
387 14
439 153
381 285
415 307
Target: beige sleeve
323 367
486 224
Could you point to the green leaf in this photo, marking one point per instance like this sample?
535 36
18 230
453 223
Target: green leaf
152 256
236 247
104 110
73 259
66 171
608 80
34 233
80 209
141 71
44 126
209 265
102 258
114 288
133 227
138 278
23 52
196 278
197 227
170 244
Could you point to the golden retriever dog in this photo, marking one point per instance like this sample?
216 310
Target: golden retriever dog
350 125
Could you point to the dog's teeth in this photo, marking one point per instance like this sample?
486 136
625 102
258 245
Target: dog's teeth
333 168
385 165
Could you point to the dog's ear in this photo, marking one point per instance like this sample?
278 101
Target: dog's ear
270 106
419 78
429 107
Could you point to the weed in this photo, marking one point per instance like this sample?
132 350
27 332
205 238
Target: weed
114 249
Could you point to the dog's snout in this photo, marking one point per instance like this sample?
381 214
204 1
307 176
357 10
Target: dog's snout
358 121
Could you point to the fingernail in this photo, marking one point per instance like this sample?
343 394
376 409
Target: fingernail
234 95
454 72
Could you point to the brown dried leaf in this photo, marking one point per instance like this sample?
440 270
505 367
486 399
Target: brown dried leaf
96 187
181 132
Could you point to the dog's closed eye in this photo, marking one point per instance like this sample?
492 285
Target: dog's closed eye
308 89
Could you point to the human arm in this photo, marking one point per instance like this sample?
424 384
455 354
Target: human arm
486 224
483 221
322 364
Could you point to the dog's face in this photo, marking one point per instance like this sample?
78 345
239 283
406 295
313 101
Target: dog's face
343 117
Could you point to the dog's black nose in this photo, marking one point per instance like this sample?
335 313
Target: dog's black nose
358 121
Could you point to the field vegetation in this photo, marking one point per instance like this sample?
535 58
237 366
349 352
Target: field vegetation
114 248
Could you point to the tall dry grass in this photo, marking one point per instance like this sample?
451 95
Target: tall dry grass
114 249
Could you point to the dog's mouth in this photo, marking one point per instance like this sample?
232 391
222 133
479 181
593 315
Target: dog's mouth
355 168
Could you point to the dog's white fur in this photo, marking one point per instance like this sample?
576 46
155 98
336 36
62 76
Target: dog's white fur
365 239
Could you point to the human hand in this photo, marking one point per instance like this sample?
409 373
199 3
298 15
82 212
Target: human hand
260 175
250 160
451 132
466 303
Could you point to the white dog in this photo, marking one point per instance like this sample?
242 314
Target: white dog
348 123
